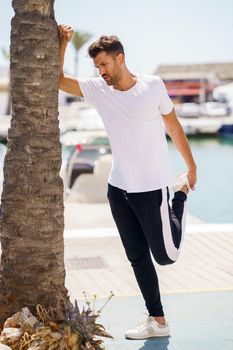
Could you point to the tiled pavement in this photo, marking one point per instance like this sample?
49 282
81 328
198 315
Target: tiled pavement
99 265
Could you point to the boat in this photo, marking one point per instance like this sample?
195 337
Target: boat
226 131
203 125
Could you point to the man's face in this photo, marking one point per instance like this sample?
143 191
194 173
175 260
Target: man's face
109 67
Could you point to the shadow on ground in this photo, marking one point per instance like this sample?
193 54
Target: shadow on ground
155 343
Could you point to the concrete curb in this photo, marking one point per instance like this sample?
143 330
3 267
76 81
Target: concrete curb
112 232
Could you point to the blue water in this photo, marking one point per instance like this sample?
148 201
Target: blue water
212 200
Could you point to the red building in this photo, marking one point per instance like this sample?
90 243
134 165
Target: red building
194 82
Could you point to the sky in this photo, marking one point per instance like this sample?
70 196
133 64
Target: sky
153 32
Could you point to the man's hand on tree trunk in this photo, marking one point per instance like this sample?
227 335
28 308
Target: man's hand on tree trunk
65 33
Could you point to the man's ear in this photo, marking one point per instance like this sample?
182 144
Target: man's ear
120 58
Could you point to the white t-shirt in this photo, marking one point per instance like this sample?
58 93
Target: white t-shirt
133 121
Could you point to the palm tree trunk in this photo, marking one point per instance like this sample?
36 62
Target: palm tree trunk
32 262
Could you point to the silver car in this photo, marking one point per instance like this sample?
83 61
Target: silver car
189 110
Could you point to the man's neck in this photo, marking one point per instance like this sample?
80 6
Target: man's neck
127 81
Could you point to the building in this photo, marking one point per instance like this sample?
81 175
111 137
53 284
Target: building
194 82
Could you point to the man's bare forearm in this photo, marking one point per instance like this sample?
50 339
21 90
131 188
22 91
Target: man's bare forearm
66 83
176 132
63 46
181 142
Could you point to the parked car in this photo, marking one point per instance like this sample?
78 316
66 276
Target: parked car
189 110
215 109
80 116
85 148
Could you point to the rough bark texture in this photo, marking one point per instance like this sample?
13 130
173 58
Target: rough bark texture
32 262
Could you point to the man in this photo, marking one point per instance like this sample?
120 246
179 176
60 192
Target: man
133 108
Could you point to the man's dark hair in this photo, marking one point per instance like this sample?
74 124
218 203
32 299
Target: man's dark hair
110 44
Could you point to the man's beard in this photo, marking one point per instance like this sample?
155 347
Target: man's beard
112 80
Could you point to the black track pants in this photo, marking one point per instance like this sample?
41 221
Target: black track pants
146 222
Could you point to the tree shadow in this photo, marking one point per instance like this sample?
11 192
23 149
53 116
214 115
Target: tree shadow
156 344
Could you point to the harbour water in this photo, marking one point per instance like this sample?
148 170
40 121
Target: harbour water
212 200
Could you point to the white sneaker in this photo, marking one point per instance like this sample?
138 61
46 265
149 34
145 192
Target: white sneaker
148 329
180 181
